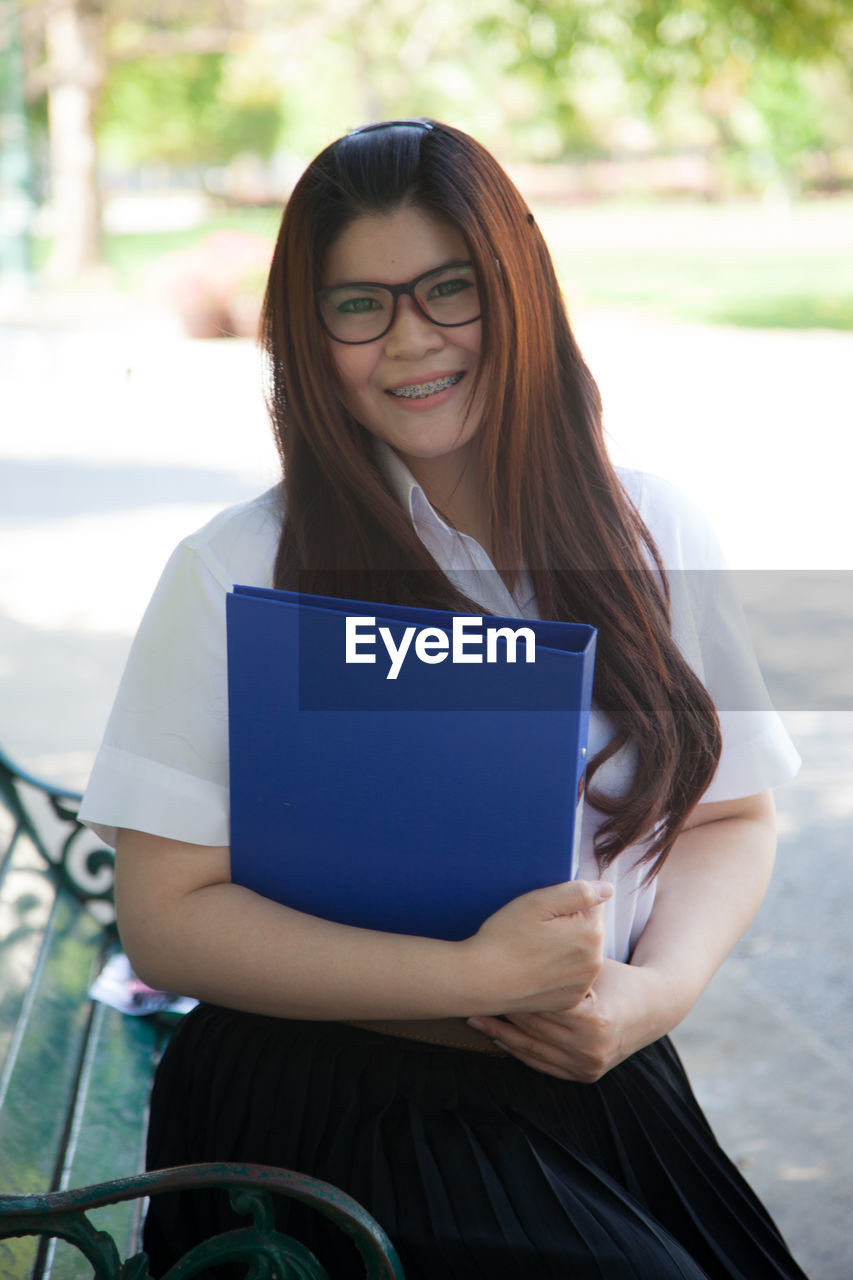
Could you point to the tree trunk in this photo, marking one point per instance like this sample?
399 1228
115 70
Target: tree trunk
73 32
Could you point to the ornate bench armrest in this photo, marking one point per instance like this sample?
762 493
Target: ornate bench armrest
251 1187
46 815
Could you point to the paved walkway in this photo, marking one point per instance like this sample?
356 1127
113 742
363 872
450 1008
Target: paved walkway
117 439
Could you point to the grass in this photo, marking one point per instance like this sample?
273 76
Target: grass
737 264
731 264
767 291
132 255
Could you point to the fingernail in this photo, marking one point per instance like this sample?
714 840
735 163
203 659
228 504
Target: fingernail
476 1024
604 889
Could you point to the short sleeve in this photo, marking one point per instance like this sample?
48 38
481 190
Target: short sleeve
710 629
163 764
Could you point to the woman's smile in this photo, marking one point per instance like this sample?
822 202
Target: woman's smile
423 390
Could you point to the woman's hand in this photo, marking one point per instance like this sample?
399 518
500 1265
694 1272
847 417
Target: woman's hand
543 950
621 1013
707 892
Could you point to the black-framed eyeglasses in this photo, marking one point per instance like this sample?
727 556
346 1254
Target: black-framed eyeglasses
364 310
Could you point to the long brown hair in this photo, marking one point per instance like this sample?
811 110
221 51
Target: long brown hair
557 505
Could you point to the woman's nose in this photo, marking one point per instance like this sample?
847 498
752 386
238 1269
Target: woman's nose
411 333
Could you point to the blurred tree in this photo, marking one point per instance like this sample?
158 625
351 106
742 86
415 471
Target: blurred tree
185 109
16 194
766 81
72 75
761 80
70 46
348 61
745 68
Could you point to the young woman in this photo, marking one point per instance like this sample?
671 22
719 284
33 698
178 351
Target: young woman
442 445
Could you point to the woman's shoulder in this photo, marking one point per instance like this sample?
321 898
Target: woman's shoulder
239 544
680 528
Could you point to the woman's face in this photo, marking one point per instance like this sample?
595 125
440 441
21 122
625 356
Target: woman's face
384 382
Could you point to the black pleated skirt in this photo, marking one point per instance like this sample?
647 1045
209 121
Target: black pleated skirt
478 1167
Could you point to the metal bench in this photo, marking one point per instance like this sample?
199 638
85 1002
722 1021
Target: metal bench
75 1077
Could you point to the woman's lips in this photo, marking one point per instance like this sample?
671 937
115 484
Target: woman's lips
421 390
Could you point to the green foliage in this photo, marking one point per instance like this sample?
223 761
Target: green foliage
770 75
535 79
788 107
179 109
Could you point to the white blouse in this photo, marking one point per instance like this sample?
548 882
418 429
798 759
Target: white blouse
163 764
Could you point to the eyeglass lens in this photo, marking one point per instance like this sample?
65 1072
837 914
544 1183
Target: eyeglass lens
364 312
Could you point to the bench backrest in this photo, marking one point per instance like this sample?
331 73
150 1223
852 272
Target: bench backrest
74 1075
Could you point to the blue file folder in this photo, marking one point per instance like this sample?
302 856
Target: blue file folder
416 805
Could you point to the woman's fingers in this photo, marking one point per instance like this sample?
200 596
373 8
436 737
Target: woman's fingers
569 898
584 1042
543 949
526 1045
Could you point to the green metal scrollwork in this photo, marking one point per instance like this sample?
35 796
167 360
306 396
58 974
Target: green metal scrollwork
87 872
98 1247
267 1253
135 1268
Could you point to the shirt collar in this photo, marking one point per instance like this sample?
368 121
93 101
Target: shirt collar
460 556
411 497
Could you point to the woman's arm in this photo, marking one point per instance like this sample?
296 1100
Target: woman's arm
708 891
187 928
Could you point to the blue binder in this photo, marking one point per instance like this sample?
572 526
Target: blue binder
419 803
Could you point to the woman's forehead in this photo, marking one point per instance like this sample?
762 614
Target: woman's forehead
390 248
